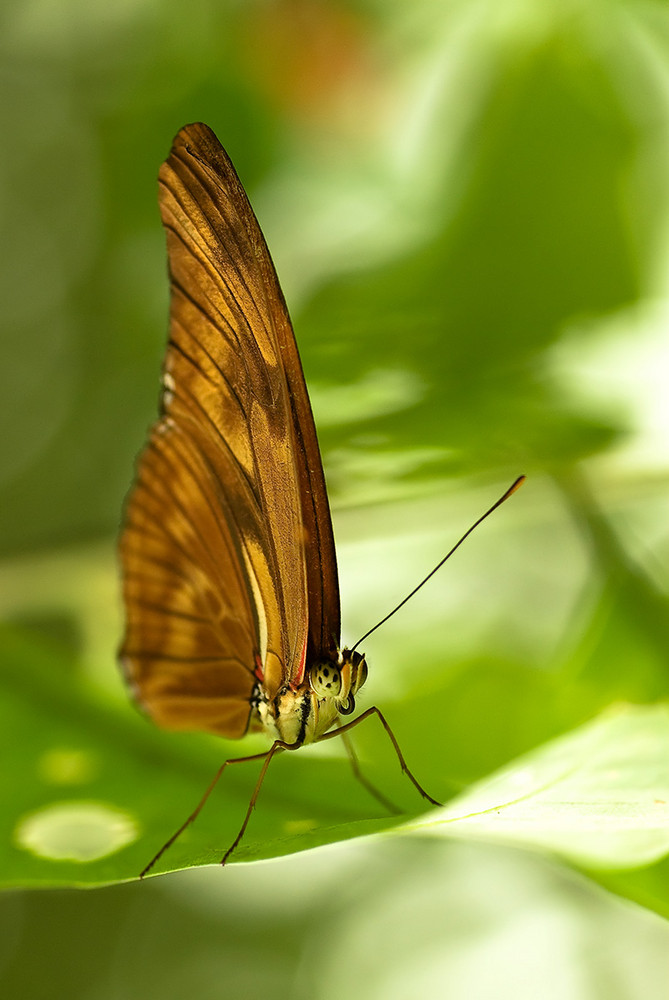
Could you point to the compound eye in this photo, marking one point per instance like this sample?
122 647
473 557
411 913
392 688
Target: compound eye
325 680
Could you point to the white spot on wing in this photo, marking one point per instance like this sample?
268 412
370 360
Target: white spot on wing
165 425
168 388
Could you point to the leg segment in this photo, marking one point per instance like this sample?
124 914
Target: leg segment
365 782
275 748
391 736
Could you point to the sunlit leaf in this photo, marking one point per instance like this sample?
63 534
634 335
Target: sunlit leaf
598 796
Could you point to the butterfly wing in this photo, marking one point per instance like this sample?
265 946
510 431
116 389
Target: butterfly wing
227 550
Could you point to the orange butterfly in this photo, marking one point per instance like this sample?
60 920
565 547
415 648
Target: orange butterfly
230 574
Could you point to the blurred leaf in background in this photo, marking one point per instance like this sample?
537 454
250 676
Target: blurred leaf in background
467 206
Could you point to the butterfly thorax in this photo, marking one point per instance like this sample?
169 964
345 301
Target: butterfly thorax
302 713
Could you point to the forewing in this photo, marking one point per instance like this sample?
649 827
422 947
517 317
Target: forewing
229 518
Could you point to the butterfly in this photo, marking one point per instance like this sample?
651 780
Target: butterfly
229 568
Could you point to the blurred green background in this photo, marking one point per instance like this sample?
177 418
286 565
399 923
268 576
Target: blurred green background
467 206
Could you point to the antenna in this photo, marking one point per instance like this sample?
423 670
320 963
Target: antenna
512 489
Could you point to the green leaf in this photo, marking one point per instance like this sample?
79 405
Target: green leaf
599 796
93 791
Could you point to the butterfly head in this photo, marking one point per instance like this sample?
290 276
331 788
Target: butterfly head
339 679
301 713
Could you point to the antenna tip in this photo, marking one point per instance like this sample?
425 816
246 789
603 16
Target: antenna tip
512 489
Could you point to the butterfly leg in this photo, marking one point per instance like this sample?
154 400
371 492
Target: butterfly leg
391 736
365 782
214 782
276 747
